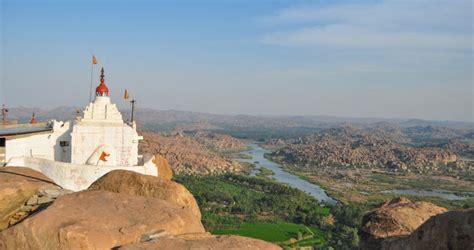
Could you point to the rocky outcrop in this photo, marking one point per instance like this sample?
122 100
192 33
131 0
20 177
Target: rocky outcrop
98 220
219 142
399 217
365 150
22 190
164 169
203 241
450 230
186 154
131 183
121 209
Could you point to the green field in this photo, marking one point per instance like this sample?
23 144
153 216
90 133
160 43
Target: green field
264 209
280 233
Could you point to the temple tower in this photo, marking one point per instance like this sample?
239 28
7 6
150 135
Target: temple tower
101 137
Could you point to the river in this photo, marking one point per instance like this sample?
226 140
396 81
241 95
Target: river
257 154
430 193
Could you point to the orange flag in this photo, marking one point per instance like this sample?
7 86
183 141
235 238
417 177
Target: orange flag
94 60
103 156
125 95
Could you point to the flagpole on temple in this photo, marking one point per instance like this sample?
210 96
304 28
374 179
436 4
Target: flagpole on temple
133 109
90 88
94 61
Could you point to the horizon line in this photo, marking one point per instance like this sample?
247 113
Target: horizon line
275 115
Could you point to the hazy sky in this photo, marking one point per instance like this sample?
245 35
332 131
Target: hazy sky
411 59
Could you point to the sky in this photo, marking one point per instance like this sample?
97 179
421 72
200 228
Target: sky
388 59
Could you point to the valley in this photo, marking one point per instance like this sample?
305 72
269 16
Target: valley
308 182
361 166
237 125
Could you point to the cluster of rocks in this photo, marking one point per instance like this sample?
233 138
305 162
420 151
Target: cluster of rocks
22 191
42 198
186 154
403 224
219 142
354 148
436 132
122 209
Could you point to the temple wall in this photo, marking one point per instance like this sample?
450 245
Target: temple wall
39 145
44 145
88 137
77 177
102 127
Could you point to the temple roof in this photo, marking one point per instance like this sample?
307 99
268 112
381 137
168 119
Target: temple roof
102 89
20 129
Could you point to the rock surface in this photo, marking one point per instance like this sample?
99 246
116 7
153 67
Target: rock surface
370 148
186 154
17 186
219 142
164 169
450 230
127 182
98 220
203 241
399 217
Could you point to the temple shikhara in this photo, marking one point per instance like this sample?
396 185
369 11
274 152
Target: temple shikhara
75 154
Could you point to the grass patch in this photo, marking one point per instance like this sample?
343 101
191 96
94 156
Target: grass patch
265 172
264 209
281 233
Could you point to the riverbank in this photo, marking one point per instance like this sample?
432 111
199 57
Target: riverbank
257 157
372 187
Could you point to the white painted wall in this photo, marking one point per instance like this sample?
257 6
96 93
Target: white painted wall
74 176
101 127
87 137
41 145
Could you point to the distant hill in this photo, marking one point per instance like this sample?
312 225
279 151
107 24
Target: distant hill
169 119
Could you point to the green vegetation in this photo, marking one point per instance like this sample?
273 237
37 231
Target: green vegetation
242 156
251 199
384 181
265 172
247 167
264 209
368 189
286 234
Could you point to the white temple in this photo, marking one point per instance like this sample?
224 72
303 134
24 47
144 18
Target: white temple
75 156
102 130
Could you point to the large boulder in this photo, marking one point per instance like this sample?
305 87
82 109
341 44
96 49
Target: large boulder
98 220
17 186
127 182
164 169
202 241
398 217
450 230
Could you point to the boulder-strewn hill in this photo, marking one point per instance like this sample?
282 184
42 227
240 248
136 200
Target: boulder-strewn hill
120 209
189 154
219 142
370 148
